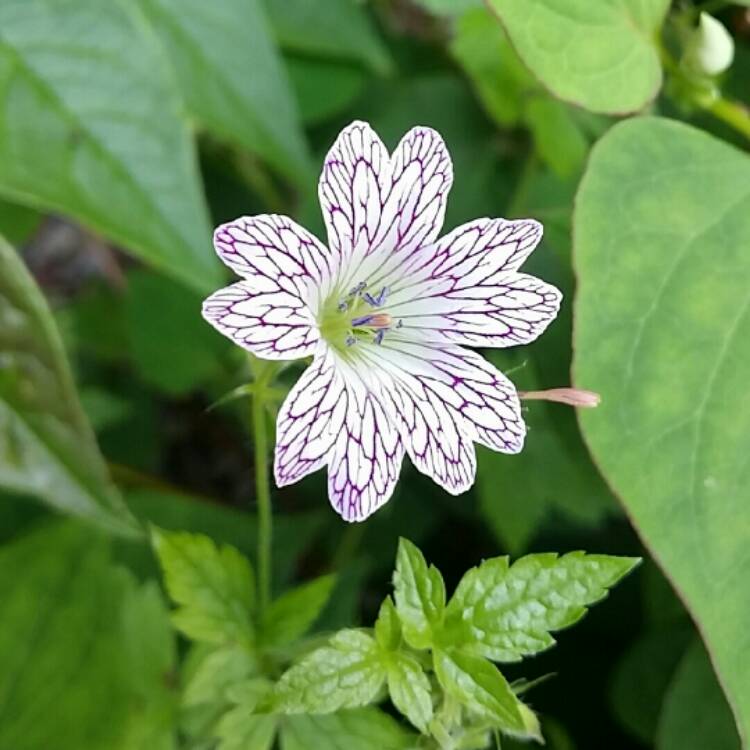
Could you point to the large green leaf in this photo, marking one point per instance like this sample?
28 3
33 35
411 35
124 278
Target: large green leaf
47 448
662 231
87 654
92 127
601 55
232 77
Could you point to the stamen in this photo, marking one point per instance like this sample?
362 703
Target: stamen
363 321
357 289
342 307
379 336
379 300
351 340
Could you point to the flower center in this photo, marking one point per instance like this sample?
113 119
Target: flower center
356 317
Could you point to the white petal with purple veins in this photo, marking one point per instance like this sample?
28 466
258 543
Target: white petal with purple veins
309 421
273 325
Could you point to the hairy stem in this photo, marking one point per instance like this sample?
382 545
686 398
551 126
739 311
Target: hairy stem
262 489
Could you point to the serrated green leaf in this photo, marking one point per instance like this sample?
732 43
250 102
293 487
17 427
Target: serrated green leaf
47 448
335 29
75 626
419 592
358 729
105 143
601 55
695 714
667 347
409 688
213 586
478 684
232 77
216 673
347 673
507 612
388 626
240 729
290 616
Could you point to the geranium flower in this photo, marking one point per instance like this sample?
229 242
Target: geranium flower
385 311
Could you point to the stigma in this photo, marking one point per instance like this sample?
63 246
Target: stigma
376 320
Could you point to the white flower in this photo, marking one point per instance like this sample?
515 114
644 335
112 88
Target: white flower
385 311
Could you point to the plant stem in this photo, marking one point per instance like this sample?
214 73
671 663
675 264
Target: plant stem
734 114
262 490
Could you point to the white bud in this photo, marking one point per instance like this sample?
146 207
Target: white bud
710 47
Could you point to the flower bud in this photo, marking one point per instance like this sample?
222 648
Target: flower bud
709 49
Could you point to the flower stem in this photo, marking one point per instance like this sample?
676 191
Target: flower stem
262 490
734 114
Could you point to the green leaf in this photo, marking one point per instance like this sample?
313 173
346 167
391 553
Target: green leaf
695 714
213 586
517 500
232 77
17 223
93 128
290 616
449 7
478 684
339 29
324 88
600 55
172 347
507 612
409 689
47 448
358 729
74 626
388 626
240 729
216 673
419 594
641 678
558 139
347 673
662 226
293 532
501 81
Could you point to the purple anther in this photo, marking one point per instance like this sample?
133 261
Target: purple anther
363 321
379 336
350 340
342 307
376 301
